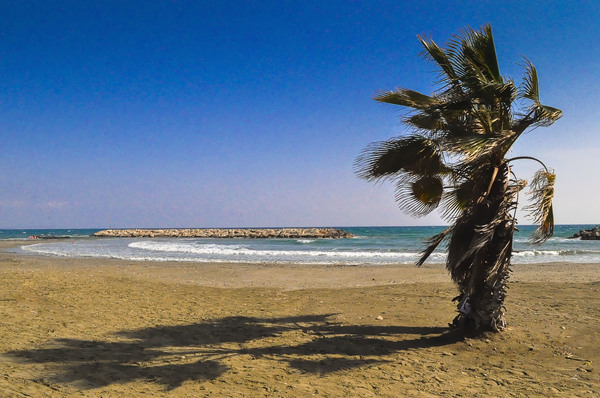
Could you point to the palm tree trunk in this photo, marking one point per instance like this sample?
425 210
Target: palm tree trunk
479 257
487 290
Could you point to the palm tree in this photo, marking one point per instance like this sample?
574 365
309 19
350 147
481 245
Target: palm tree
455 160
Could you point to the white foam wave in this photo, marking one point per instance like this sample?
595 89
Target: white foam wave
95 254
176 247
374 250
237 250
218 253
553 240
527 253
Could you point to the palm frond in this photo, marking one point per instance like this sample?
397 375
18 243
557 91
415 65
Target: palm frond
433 52
419 196
475 146
485 245
429 121
540 209
414 154
408 98
457 199
432 244
530 88
546 115
473 57
494 273
539 114
482 237
487 52
495 95
503 233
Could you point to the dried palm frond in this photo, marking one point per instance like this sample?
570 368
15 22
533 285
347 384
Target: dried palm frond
540 209
432 244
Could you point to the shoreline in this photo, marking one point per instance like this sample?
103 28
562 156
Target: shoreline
293 276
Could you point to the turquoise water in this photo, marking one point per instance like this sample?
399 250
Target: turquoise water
371 246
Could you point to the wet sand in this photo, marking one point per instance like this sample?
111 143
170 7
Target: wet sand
95 327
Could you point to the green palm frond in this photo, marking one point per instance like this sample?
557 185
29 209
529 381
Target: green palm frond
435 53
415 155
428 190
427 121
539 114
530 88
408 98
540 209
486 52
495 95
473 57
472 147
546 115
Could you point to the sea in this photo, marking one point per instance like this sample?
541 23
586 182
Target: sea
369 246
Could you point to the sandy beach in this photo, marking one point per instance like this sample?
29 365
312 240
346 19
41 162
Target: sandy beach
112 328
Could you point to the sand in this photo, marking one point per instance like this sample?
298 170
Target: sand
90 327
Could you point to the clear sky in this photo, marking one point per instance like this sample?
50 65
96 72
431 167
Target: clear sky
251 113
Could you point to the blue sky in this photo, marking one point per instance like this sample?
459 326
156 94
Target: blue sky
251 113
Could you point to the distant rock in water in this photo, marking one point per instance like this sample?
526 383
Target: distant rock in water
44 236
588 234
289 233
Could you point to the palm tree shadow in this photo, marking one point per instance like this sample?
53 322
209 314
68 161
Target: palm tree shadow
171 355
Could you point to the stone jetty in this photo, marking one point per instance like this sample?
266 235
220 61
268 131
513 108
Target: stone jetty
289 233
588 234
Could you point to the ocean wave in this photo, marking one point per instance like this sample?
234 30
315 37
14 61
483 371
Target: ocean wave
564 252
218 253
565 240
176 247
527 253
91 254
367 250
238 250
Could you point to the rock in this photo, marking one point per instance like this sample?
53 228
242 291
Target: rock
588 234
379 318
286 233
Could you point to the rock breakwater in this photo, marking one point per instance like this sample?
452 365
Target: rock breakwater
286 233
588 234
